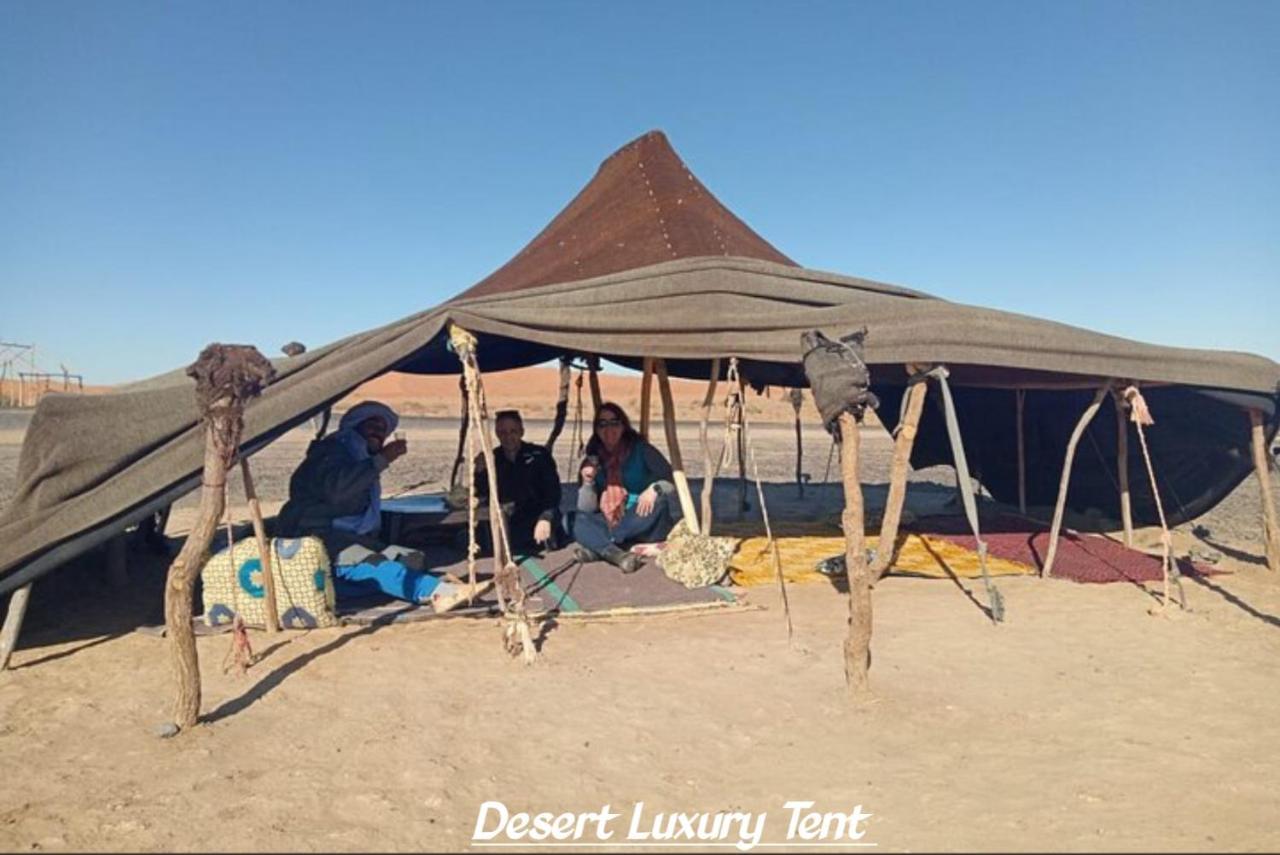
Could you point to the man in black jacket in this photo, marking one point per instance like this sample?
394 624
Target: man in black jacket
528 484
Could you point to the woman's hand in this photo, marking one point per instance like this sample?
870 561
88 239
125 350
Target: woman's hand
542 531
646 502
587 473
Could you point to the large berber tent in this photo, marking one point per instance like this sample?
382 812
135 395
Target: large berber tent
645 262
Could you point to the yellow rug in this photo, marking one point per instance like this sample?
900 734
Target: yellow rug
802 545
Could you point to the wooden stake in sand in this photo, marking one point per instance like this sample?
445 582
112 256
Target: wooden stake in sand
1122 467
903 442
1085 417
857 646
264 550
13 623
673 447
226 377
708 474
1270 523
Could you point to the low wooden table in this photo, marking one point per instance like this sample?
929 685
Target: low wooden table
419 520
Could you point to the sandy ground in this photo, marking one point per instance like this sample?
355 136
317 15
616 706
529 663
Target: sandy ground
1081 723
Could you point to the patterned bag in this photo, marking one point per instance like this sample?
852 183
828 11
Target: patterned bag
304 584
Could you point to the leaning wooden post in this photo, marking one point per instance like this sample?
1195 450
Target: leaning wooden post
1122 469
903 443
1086 417
1020 396
708 474
593 375
1270 524
226 377
857 647
264 549
13 623
646 397
673 446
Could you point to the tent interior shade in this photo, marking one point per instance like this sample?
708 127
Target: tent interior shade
646 262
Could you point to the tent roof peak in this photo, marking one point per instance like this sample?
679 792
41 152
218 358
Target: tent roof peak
643 206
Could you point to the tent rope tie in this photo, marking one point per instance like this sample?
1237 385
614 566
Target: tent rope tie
995 600
1140 415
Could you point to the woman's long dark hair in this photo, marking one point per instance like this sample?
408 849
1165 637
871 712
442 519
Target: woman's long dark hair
630 436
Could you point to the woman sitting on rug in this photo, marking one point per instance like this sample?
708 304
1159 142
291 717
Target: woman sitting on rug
336 495
625 493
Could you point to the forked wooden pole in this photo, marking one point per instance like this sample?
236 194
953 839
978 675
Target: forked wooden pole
903 443
646 397
673 447
857 646
1020 396
264 549
1122 469
13 623
1085 417
708 474
1270 524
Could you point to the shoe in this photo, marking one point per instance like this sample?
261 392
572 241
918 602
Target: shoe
585 555
625 561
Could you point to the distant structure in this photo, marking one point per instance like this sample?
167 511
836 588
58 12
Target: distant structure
24 388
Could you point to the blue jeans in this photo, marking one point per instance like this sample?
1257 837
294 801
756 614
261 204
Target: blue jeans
590 530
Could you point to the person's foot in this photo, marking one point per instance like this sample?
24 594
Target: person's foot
585 555
448 595
624 560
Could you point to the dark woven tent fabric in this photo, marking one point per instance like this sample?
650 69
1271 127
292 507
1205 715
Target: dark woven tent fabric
646 262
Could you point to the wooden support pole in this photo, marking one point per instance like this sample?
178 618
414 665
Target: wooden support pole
742 448
903 443
1122 469
264 550
562 405
1085 417
13 623
708 474
797 401
857 646
646 397
182 576
1020 395
118 561
673 447
1270 523
593 376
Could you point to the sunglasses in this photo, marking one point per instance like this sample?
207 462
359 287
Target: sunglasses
603 423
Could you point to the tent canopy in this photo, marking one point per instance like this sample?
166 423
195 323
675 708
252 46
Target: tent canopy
646 262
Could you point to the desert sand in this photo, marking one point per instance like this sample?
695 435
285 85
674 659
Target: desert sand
1083 722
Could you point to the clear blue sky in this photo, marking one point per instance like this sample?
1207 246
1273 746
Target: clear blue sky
325 168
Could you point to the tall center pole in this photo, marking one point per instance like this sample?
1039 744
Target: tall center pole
857 646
